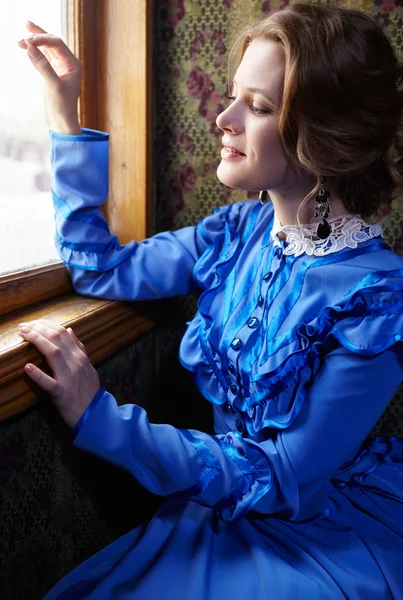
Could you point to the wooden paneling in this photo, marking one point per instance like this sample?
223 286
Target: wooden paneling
125 86
103 326
24 288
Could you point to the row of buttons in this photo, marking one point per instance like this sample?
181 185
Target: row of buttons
238 423
253 322
237 344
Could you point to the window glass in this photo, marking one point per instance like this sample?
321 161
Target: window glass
26 213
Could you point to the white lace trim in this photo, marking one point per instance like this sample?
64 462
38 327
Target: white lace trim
347 231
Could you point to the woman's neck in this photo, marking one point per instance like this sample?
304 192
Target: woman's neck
286 210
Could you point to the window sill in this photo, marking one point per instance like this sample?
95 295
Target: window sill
103 326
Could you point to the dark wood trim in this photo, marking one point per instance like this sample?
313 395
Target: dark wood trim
149 105
83 30
31 286
103 326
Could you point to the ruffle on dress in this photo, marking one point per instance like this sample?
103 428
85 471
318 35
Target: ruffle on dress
220 233
275 397
377 468
367 321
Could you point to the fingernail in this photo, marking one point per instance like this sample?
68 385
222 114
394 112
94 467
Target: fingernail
25 329
29 368
29 37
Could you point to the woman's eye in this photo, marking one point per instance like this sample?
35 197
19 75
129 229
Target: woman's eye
254 109
260 111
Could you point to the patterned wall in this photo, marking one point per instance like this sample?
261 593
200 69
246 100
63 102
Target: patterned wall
54 509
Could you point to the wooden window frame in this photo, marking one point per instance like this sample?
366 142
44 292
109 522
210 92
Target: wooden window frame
115 48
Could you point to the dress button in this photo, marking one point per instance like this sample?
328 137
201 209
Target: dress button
241 451
253 323
260 300
268 276
239 425
231 368
233 388
236 344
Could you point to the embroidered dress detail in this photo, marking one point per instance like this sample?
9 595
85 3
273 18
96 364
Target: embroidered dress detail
346 232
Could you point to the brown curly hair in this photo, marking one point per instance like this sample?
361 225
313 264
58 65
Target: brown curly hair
341 112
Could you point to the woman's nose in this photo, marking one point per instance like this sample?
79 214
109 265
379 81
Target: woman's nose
230 120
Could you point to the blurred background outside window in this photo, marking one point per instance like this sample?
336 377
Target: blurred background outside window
26 212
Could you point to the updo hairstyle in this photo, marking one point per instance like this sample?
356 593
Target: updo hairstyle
341 111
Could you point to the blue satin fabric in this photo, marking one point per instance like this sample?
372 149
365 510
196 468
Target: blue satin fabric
289 497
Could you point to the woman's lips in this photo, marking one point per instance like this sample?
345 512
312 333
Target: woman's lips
229 152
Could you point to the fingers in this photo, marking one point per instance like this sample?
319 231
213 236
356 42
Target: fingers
77 341
54 334
75 381
39 377
42 65
52 46
50 42
69 330
51 351
33 28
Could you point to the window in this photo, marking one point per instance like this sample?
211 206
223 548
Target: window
94 30
25 202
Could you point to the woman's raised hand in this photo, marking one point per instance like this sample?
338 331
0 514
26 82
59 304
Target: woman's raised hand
75 381
61 71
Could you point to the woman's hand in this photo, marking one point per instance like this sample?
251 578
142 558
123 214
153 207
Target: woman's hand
61 71
75 381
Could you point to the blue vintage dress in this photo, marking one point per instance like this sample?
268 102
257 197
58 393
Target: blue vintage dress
298 354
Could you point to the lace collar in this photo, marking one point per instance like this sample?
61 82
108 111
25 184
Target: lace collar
347 231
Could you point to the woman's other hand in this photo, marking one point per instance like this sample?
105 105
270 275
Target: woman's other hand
75 381
61 71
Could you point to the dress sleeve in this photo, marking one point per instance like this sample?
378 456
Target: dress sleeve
280 475
99 266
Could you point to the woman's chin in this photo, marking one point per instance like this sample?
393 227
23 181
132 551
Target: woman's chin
229 179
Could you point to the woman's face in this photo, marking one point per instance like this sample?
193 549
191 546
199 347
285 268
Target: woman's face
250 124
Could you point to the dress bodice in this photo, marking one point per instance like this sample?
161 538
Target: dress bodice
267 319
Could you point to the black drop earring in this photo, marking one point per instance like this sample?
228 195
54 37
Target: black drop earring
263 196
322 210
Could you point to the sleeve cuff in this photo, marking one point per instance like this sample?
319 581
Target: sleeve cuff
87 413
87 135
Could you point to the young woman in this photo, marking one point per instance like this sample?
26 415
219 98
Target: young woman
296 343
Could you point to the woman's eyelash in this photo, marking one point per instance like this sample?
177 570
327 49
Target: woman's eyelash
259 111
256 111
